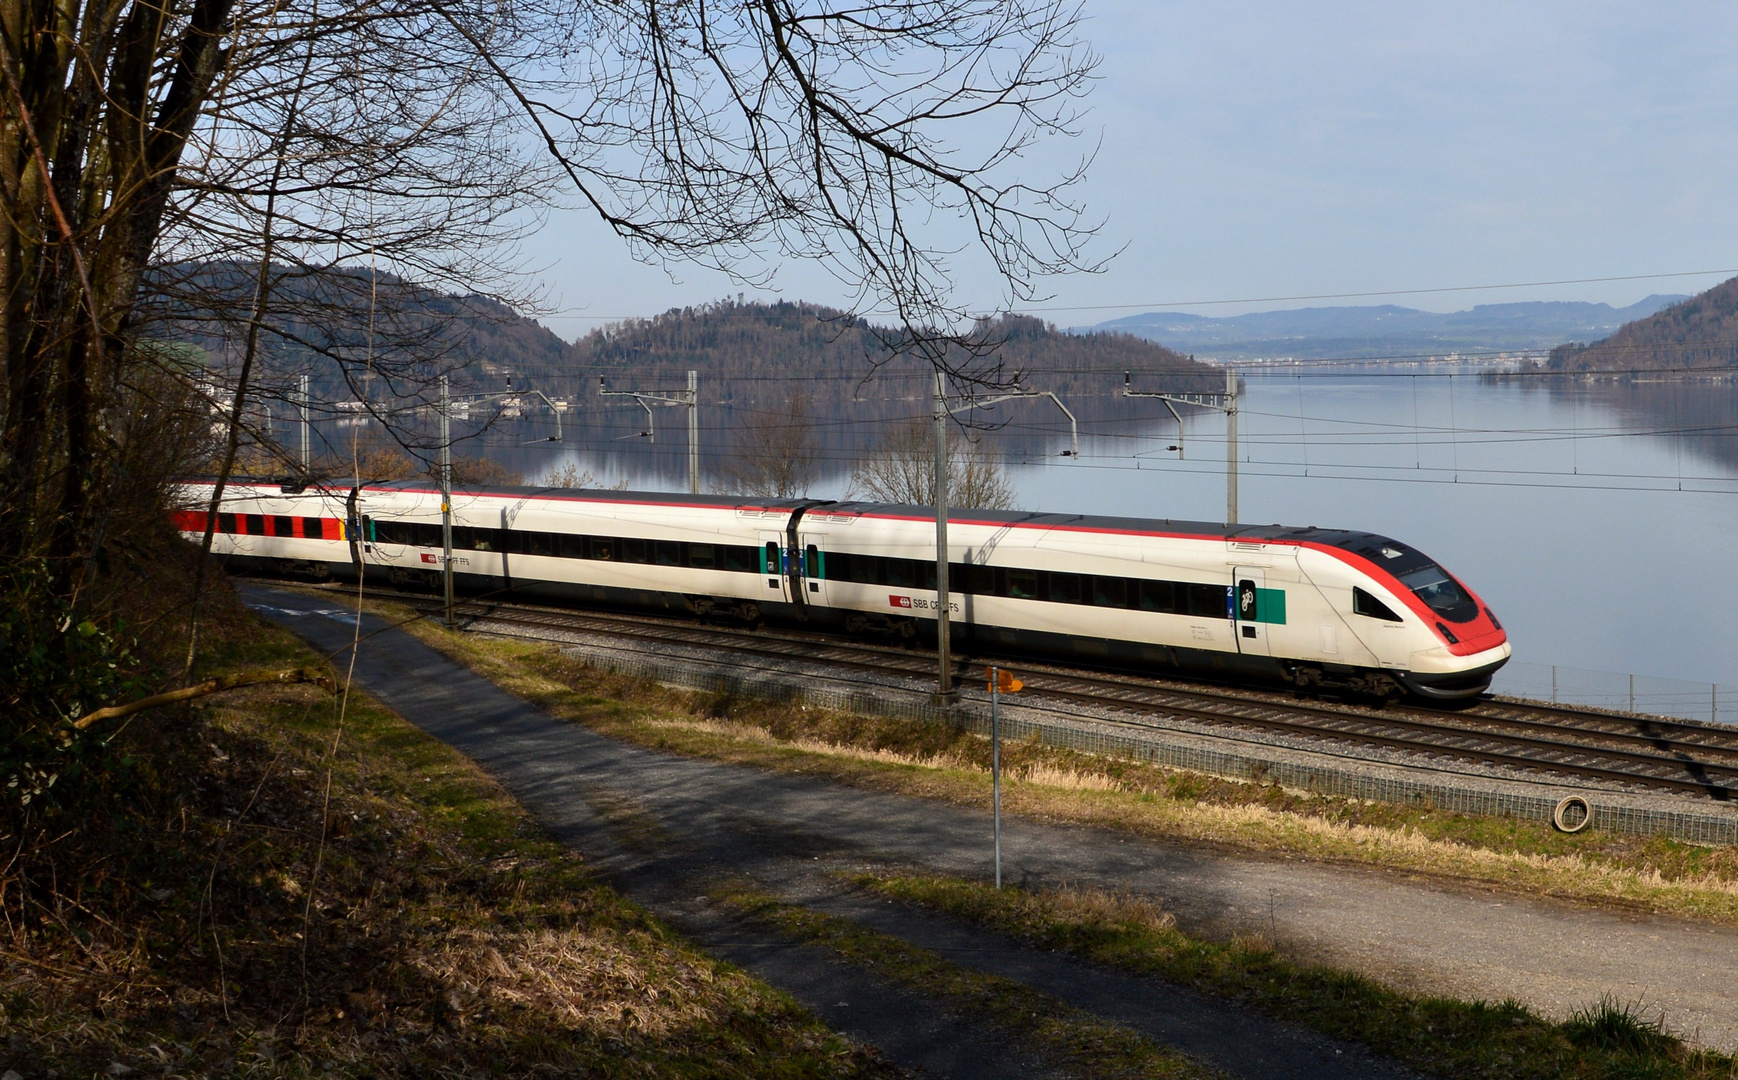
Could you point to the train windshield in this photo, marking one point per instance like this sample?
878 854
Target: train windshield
1441 593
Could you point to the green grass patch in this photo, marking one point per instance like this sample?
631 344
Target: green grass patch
1061 1036
1442 1036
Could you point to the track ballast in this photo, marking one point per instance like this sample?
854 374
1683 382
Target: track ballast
1643 753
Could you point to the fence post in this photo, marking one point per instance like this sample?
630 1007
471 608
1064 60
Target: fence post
1553 684
1632 692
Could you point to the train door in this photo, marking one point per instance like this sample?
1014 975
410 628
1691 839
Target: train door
815 570
772 567
383 541
1249 599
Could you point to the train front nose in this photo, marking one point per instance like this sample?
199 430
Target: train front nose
1458 685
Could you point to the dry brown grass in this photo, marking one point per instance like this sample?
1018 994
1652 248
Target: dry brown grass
1528 858
222 919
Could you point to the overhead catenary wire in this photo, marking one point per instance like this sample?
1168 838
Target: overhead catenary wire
1317 435
1226 302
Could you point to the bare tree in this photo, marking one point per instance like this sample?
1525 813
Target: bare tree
901 469
774 452
572 476
568 476
303 172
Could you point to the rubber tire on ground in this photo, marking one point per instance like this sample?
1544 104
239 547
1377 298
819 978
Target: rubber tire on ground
1563 805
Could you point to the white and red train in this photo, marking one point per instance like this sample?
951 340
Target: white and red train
1313 607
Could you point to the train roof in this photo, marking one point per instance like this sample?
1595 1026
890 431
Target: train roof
1373 546
1370 545
1364 543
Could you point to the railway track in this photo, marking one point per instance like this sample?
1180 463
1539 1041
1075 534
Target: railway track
1546 741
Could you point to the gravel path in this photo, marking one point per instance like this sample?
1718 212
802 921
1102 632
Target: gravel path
781 828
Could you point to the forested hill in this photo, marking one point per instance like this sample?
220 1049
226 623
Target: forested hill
743 351
1698 333
763 350
753 359
757 359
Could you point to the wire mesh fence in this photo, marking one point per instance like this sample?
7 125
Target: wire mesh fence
1714 702
1351 779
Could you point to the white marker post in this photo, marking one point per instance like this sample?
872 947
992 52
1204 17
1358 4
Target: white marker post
999 681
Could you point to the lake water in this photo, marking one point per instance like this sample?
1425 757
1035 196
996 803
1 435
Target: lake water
1594 526
1597 521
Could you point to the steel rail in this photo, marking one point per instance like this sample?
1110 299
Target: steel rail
1578 743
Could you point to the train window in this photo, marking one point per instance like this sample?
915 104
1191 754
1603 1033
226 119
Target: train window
1109 592
226 523
314 528
977 580
900 573
636 551
1065 588
1023 584
701 556
569 546
925 574
1365 604
1246 601
667 552
1209 601
281 526
256 525
812 561
484 539
769 558
1157 596
1442 593
601 548
743 560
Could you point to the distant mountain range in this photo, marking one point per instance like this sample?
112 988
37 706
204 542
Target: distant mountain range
1701 332
1383 331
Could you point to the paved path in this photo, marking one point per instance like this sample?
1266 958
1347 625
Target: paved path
1415 934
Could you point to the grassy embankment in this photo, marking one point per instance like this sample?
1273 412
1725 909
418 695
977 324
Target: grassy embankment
1655 874
268 892
1440 1036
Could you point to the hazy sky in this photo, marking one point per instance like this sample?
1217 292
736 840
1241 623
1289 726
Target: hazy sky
1266 149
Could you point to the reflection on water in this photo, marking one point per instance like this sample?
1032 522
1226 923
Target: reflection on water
1596 520
1594 531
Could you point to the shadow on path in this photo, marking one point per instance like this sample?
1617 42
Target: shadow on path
697 818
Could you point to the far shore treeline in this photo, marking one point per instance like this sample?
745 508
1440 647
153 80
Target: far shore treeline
1697 336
